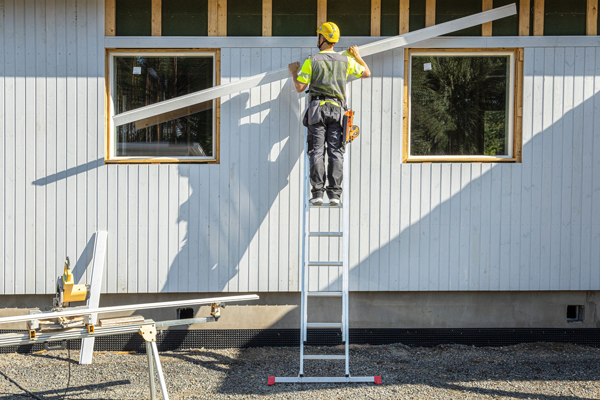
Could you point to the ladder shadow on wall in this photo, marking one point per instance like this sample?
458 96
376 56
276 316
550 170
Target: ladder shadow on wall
228 212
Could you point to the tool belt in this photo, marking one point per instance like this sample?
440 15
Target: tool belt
329 98
311 116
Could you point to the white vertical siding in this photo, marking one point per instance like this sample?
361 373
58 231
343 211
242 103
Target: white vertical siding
236 226
528 226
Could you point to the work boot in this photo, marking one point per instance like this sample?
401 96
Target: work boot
316 201
334 202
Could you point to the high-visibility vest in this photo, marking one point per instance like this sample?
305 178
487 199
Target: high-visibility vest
328 78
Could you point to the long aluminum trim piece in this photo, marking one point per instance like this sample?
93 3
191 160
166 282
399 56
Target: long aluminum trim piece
87 345
283 73
310 379
130 307
18 339
325 234
186 321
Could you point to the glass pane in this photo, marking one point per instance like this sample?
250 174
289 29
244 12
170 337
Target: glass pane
459 105
145 80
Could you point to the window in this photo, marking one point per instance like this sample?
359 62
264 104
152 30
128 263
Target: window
140 78
461 105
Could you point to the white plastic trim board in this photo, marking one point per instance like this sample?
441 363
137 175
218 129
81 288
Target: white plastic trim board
283 73
129 307
87 345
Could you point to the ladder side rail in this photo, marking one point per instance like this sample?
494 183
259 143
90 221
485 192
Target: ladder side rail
346 260
305 229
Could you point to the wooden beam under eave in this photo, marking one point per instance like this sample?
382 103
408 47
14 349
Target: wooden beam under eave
321 12
110 18
524 13
591 27
404 13
221 17
267 18
212 18
429 13
156 17
375 17
486 29
538 17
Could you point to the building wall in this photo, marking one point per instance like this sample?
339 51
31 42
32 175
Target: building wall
235 227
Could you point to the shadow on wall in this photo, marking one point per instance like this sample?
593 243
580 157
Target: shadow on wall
495 226
223 206
462 226
235 216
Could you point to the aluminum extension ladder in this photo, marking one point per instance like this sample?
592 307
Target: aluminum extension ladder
307 263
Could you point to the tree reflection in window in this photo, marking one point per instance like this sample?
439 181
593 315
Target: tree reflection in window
459 105
145 80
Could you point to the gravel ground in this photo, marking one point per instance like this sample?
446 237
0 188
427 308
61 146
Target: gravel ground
531 371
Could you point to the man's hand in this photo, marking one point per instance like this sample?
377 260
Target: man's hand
294 67
299 86
353 51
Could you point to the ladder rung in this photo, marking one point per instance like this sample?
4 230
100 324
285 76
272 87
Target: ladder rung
324 325
326 294
324 357
325 263
326 205
326 234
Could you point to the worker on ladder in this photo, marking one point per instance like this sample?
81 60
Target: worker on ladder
327 73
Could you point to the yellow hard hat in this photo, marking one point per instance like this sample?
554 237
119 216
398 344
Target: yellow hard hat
330 32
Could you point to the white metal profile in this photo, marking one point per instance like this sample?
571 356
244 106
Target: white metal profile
283 73
87 345
129 307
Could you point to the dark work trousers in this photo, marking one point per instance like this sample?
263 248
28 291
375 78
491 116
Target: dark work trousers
326 134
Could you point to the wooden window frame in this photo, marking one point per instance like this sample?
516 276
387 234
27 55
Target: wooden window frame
110 158
517 112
